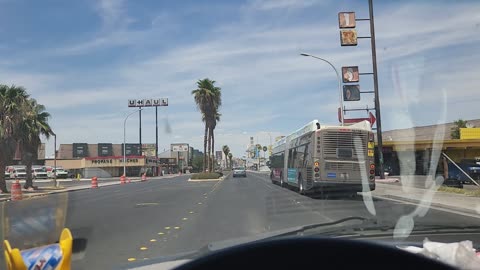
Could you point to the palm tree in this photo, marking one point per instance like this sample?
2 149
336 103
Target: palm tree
34 125
226 150
230 156
207 97
455 131
12 104
213 125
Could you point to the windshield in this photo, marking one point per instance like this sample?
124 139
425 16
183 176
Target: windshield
184 123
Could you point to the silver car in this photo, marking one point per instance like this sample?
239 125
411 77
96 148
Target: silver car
239 171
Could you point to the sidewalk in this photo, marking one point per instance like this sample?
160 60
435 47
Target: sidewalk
42 191
445 200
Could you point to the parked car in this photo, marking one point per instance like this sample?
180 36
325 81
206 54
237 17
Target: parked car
60 172
39 173
19 173
239 171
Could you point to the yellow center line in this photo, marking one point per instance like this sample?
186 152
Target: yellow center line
131 259
143 248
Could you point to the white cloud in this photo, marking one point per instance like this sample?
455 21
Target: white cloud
263 77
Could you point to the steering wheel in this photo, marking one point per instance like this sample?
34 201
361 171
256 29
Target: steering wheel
313 253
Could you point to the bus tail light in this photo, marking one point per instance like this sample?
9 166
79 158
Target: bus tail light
317 175
317 169
372 166
372 171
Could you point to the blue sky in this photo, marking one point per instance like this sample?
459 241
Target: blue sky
84 59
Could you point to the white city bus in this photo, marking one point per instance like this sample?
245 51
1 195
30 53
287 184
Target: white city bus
320 158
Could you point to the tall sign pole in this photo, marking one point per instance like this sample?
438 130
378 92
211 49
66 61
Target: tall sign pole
375 86
140 131
156 140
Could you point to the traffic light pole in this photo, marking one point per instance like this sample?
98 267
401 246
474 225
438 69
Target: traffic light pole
156 141
375 86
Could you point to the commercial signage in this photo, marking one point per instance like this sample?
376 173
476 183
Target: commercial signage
348 37
179 147
346 19
350 74
132 149
351 92
148 149
80 150
148 102
113 160
105 149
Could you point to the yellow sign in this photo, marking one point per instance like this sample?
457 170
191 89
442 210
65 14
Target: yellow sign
370 153
469 133
371 145
316 163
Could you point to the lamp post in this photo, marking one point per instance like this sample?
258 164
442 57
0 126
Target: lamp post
55 160
338 78
124 145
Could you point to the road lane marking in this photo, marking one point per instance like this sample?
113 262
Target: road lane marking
199 203
153 240
167 228
161 233
184 218
191 212
143 248
177 228
131 259
145 258
147 204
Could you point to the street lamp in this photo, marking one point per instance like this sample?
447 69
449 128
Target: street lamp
338 78
55 160
124 146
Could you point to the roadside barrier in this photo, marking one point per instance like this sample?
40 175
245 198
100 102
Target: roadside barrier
144 177
122 179
94 182
16 191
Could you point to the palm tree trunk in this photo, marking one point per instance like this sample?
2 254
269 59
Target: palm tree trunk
28 181
205 147
209 147
213 150
3 183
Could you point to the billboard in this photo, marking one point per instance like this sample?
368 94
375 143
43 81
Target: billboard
218 155
132 149
148 149
148 102
105 149
351 92
80 150
348 37
346 19
350 74
180 147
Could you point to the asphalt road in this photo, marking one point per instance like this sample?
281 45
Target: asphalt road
140 221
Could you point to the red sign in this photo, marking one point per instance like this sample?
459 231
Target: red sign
371 118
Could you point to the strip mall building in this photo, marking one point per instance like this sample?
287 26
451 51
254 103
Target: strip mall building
107 160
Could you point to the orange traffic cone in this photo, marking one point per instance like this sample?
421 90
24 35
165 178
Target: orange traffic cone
16 191
144 177
122 179
94 182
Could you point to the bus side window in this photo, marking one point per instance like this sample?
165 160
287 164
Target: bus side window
306 158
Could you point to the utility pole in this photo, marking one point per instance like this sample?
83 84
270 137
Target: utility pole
156 141
375 87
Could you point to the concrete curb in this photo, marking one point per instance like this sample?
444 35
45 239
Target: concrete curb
434 204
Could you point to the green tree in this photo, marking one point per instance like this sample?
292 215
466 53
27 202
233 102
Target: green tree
230 156
197 163
207 97
455 131
226 151
34 125
12 106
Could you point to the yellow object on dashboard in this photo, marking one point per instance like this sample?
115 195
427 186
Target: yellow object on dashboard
55 256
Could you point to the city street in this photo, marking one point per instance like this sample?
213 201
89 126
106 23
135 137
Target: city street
144 220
